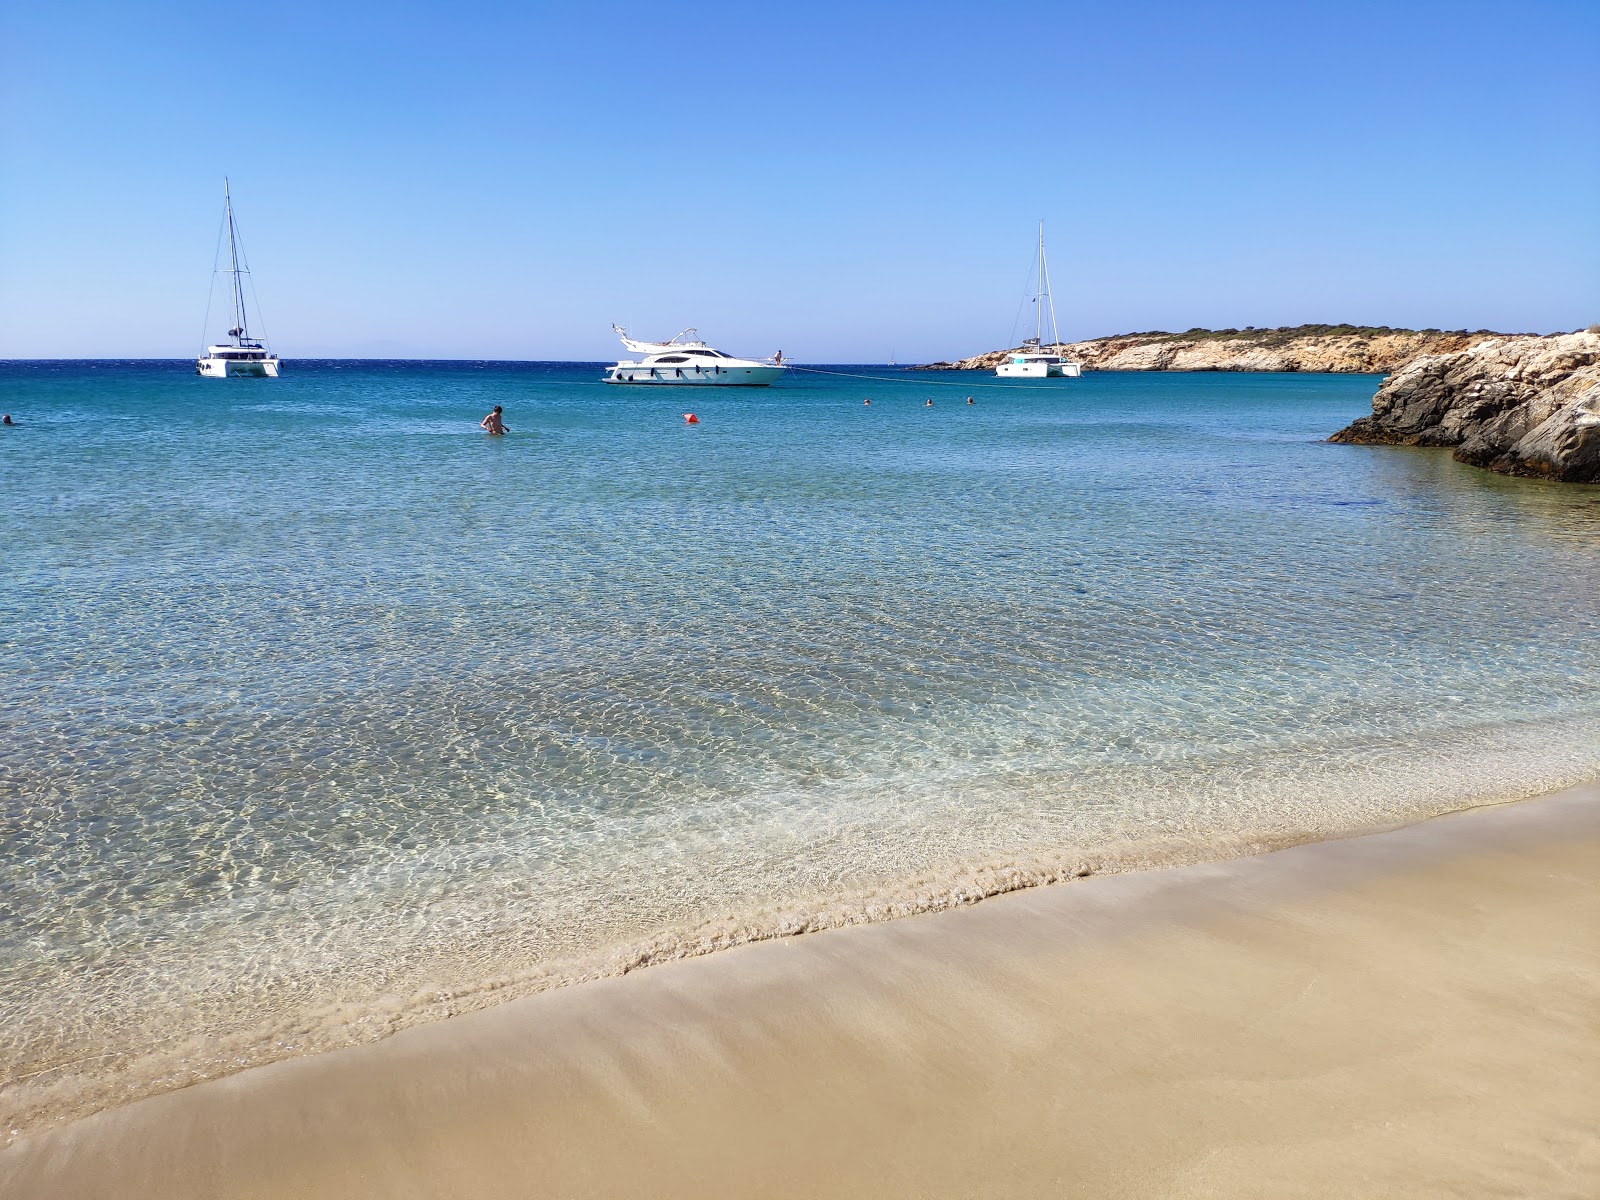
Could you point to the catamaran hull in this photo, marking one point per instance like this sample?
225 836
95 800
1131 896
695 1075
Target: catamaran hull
1066 370
213 368
691 377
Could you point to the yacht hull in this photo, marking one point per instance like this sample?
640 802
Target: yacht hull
1036 370
214 368
690 377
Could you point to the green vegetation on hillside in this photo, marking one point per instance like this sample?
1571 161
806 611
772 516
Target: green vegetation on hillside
1282 335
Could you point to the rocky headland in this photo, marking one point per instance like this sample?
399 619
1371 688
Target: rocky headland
1358 349
1518 405
1521 403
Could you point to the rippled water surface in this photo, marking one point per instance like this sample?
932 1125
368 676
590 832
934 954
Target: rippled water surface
324 713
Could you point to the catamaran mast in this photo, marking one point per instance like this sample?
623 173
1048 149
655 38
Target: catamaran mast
240 329
1038 298
1044 293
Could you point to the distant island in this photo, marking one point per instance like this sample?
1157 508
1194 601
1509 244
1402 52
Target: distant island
1358 349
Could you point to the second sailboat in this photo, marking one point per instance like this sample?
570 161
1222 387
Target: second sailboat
241 354
1033 360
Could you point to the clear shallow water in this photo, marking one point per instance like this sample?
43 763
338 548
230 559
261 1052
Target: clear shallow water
324 713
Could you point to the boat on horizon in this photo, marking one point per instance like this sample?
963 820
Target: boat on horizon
1033 359
242 354
684 360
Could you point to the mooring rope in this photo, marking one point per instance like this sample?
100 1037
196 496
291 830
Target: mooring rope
1021 387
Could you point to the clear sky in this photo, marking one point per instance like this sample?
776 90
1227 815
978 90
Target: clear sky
844 181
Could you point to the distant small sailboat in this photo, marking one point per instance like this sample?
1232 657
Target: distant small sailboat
1032 360
242 354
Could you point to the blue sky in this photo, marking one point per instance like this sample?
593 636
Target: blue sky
843 181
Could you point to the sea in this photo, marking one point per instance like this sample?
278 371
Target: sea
322 713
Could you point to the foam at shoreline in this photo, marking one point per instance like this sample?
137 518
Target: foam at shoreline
1385 790
1342 1017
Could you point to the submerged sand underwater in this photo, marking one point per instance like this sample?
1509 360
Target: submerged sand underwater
332 716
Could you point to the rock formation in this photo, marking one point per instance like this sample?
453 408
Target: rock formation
1518 405
1358 349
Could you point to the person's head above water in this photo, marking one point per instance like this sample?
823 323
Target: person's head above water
497 408
5 419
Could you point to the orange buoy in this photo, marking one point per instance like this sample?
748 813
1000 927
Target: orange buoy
690 419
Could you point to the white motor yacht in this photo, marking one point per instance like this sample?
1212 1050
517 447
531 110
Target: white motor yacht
241 354
1033 360
686 361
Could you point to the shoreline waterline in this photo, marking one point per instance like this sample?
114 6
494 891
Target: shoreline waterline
1381 995
63 1093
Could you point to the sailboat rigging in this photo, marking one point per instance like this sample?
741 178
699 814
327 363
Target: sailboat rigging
1032 360
242 354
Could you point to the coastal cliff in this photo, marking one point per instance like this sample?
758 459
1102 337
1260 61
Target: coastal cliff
1518 405
1357 349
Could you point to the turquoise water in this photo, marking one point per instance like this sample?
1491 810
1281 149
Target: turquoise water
325 713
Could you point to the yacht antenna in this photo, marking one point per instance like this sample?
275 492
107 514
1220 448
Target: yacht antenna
240 329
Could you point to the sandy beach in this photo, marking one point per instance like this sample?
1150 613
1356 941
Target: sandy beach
1406 1013
1074 681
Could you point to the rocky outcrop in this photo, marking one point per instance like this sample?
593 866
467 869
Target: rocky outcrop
1343 348
1519 405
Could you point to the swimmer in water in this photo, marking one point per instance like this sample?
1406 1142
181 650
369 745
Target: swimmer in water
928 403
864 402
5 419
493 423
969 399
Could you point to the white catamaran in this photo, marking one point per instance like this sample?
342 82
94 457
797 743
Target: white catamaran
241 354
1033 360
685 360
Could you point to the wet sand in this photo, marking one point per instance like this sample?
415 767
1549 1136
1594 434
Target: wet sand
1408 1013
